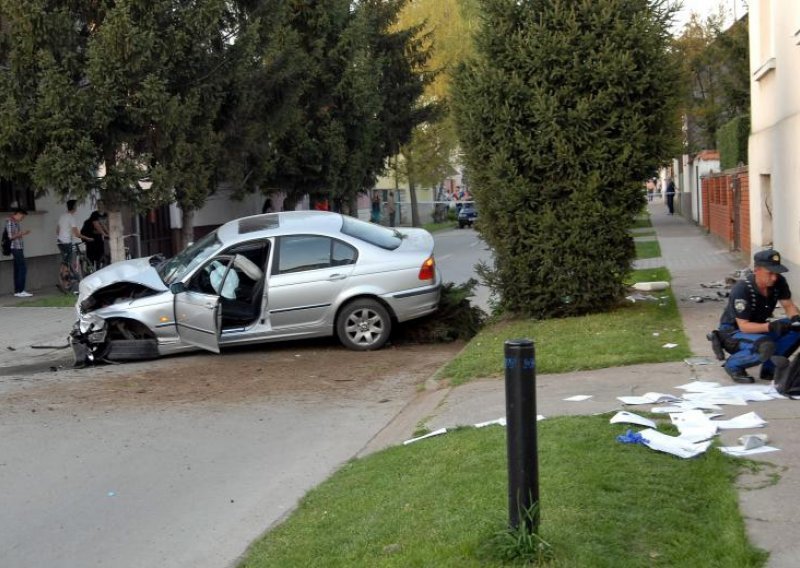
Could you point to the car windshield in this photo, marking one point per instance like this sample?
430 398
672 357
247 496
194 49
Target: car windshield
371 233
185 261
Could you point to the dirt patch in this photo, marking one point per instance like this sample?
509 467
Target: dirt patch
303 370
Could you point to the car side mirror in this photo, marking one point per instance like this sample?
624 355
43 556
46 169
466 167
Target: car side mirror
177 287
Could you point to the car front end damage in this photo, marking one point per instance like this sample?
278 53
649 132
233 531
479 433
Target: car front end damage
114 316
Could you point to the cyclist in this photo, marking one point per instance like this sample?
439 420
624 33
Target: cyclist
68 235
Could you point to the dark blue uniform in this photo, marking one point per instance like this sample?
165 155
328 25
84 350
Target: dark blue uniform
749 349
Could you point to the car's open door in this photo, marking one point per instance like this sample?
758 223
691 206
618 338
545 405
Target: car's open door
198 317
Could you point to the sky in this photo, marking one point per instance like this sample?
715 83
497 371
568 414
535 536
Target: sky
707 7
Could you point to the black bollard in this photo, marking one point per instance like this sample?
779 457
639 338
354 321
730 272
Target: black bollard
523 463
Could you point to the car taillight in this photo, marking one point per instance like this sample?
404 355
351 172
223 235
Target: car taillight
428 269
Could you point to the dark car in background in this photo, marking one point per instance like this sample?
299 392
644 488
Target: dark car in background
467 215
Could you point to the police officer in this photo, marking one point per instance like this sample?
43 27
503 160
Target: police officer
743 327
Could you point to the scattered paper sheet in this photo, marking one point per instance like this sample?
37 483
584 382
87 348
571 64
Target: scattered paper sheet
499 422
670 345
648 398
739 451
502 421
438 432
753 441
749 420
716 396
694 425
579 398
623 417
699 386
670 444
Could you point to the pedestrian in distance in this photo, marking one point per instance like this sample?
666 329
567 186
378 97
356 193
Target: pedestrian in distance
16 234
744 327
670 195
375 215
390 208
94 233
650 185
68 235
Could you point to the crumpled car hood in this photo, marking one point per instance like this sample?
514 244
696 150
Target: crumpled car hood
137 271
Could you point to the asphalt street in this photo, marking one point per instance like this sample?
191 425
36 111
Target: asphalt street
185 484
457 252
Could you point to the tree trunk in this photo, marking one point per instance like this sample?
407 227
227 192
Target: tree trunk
116 244
187 227
412 191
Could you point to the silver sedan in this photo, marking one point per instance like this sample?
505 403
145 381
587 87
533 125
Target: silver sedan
256 279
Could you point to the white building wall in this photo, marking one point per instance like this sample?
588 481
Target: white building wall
775 130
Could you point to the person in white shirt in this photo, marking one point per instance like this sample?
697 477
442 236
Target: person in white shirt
67 234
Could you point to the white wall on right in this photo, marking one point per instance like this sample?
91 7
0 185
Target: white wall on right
774 167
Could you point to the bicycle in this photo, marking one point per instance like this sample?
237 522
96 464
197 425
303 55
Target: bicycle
70 276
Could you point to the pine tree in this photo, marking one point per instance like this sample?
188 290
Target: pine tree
110 93
566 107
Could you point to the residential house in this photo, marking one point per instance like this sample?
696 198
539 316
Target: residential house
774 169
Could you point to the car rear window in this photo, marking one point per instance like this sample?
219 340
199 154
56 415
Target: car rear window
371 233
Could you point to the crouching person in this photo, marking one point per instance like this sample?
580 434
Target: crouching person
743 328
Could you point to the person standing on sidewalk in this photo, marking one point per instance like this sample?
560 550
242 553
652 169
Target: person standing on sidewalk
743 327
67 234
390 208
670 195
16 234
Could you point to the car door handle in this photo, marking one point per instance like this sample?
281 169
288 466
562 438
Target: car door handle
337 276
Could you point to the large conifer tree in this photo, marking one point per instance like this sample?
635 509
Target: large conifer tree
566 108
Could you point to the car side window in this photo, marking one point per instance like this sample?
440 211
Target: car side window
342 253
303 252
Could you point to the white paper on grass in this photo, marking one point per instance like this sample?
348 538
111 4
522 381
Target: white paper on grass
579 398
749 420
502 421
666 409
694 425
438 432
739 451
623 417
498 421
670 444
670 345
648 398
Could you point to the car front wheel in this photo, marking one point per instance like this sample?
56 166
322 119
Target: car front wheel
363 325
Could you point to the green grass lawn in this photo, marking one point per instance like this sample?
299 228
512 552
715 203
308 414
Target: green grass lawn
647 249
642 221
624 336
443 226
51 301
443 502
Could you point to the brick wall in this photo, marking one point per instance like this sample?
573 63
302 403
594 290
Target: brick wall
719 201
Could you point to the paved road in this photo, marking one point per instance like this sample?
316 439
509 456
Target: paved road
457 252
86 480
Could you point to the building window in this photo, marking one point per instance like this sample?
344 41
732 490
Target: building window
14 195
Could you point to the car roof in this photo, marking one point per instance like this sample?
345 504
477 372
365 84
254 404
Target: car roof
269 224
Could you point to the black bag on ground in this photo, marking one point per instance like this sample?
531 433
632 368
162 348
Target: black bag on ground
787 376
6 243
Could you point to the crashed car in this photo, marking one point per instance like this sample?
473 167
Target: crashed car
262 278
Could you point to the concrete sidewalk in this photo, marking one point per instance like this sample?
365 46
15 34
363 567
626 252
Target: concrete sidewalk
692 258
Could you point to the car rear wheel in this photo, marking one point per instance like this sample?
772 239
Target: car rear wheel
363 325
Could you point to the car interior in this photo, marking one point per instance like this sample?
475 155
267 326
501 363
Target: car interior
237 277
